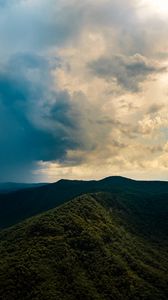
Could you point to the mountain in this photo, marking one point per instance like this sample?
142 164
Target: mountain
145 201
7 187
98 246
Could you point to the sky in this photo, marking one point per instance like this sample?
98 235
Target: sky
83 89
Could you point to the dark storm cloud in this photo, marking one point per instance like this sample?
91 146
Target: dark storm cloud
128 71
38 121
35 120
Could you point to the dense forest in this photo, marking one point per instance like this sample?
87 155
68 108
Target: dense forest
102 245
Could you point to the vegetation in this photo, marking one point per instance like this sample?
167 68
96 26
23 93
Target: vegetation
141 199
94 247
8 187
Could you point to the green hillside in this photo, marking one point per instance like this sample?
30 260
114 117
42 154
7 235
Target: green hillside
91 248
138 196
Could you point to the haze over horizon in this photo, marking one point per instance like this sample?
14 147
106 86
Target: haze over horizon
83 89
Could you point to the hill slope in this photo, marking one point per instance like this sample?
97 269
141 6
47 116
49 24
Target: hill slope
84 249
138 196
7 187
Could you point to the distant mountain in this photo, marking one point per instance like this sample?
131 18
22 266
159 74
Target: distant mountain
145 202
99 246
6 187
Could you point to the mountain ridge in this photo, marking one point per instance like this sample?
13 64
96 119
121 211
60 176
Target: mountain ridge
18 205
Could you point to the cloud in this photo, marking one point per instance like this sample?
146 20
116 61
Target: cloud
128 71
41 122
82 88
155 108
27 115
34 26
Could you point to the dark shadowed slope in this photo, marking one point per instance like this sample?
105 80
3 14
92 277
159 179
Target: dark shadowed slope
83 250
7 187
144 200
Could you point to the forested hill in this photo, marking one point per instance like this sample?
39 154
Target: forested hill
7 187
142 199
82 250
